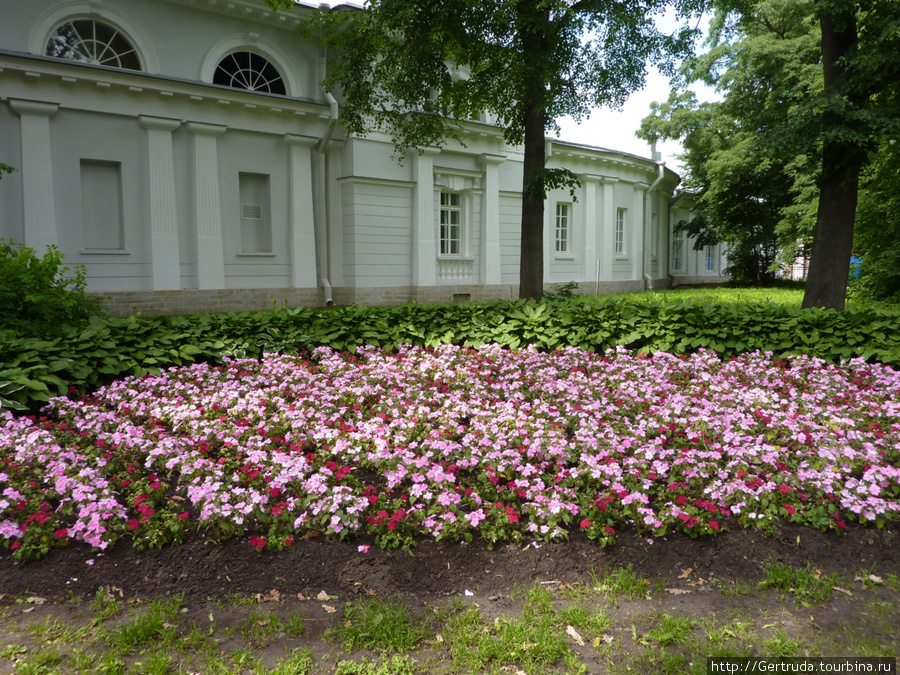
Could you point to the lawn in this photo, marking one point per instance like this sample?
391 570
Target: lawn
452 444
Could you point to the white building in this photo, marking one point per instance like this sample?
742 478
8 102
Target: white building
183 152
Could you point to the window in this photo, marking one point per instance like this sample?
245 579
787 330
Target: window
89 41
677 253
451 223
563 233
620 231
101 205
710 258
256 223
246 70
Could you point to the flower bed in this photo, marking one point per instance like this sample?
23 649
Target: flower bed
450 443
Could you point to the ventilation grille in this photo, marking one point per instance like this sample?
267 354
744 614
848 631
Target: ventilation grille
251 211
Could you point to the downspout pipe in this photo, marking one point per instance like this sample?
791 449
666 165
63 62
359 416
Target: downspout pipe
645 261
322 249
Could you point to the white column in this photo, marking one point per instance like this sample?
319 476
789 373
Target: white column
637 232
37 173
302 226
608 228
490 221
424 249
208 205
591 225
165 256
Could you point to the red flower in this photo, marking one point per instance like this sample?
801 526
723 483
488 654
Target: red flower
258 542
184 516
61 534
714 525
13 546
133 524
790 509
289 541
681 500
584 524
609 530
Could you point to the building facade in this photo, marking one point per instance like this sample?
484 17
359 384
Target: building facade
184 153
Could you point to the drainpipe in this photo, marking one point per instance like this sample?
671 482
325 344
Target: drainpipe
322 252
645 260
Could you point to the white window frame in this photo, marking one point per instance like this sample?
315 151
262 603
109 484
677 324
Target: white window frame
677 253
563 232
710 258
620 242
449 212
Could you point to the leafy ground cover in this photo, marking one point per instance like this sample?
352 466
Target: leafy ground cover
726 321
453 444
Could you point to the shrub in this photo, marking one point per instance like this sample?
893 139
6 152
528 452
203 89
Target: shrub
36 297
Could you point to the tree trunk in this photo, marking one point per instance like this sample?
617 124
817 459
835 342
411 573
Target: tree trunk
531 258
532 20
829 264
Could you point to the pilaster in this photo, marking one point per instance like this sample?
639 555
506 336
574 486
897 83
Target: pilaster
490 222
424 252
208 206
165 255
302 209
39 197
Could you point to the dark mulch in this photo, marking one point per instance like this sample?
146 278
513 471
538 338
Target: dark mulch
202 569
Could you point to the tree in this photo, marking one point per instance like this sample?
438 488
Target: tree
415 68
877 233
750 192
818 114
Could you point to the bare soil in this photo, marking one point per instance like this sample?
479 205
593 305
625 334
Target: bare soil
205 570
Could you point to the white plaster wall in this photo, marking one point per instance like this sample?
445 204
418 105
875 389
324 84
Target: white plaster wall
377 234
510 236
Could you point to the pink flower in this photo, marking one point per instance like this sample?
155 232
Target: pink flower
364 548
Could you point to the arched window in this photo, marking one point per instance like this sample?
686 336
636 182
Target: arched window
246 70
89 41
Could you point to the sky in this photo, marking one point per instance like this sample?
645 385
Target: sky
615 129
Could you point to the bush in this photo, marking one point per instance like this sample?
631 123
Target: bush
36 298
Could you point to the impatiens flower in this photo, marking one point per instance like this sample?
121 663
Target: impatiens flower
714 525
363 548
790 509
184 516
584 524
61 533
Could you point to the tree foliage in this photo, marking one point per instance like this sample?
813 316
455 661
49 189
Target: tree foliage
417 69
809 95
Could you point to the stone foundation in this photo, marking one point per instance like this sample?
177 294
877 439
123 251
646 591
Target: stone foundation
192 301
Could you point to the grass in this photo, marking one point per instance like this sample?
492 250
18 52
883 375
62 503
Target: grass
621 622
378 624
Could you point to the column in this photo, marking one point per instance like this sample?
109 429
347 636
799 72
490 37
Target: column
208 205
424 252
490 221
37 173
638 230
302 210
164 249
608 228
591 225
